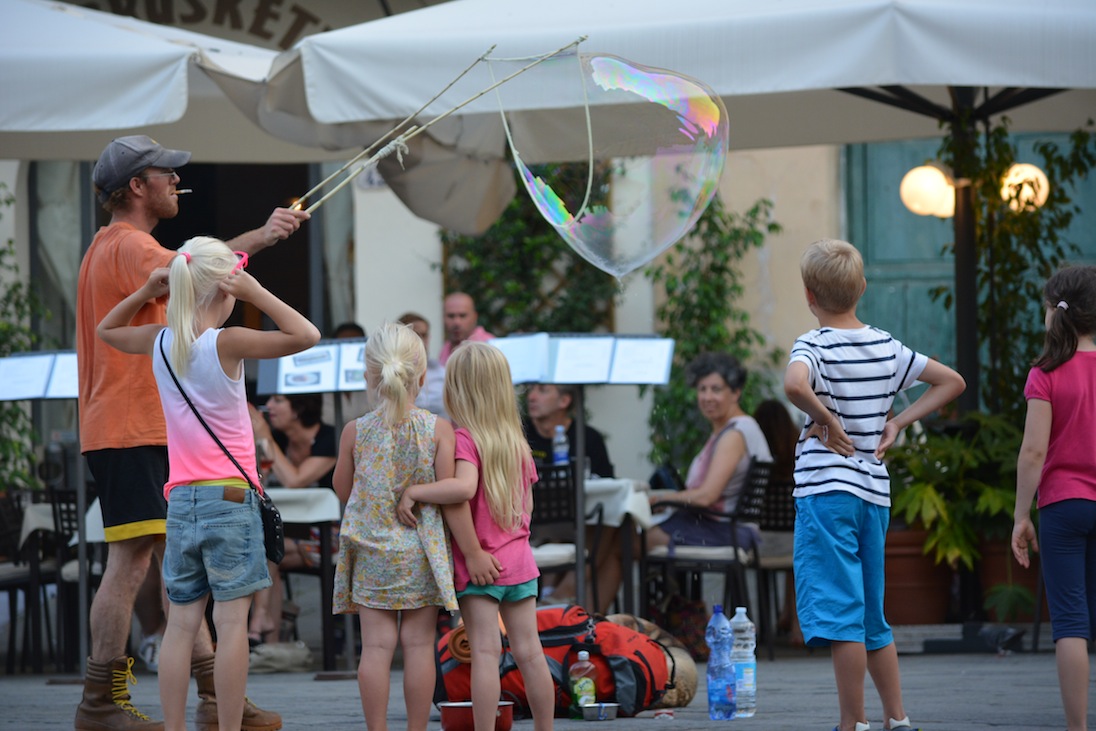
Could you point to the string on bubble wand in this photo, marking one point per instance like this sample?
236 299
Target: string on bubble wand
399 144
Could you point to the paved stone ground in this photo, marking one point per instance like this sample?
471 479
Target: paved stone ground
972 692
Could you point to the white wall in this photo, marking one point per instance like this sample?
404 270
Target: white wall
804 184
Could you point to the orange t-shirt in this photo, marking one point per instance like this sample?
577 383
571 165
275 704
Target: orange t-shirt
119 403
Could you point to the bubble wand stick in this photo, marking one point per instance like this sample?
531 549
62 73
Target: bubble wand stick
399 144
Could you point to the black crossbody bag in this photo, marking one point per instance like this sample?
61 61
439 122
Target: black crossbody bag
273 530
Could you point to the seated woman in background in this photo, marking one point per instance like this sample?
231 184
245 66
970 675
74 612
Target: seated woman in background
300 451
782 434
716 475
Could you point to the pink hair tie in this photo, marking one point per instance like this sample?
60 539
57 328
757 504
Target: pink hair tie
186 255
1062 305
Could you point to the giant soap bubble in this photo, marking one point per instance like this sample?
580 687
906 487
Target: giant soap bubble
646 148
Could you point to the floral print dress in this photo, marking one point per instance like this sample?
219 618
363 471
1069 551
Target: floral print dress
383 564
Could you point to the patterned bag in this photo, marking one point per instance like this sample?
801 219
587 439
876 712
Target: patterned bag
685 619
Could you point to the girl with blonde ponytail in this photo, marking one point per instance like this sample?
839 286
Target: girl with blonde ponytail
493 562
394 577
212 514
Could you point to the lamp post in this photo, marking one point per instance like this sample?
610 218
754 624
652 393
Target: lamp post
932 190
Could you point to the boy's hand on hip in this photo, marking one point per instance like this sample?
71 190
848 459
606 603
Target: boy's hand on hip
833 437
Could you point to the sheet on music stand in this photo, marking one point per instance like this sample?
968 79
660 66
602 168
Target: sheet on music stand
642 360
64 381
310 371
527 356
25 376
581 359
352 366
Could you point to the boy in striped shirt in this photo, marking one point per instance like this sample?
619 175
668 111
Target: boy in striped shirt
844 376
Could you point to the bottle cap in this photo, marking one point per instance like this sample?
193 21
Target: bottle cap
583 655
717 608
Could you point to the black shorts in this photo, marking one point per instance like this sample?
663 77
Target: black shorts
130 483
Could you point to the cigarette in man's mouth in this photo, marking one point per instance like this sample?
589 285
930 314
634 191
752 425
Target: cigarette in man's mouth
183 191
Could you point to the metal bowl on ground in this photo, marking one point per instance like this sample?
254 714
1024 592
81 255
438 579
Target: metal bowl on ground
600 711
457 716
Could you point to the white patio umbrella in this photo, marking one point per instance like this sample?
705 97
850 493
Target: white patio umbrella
777 65
790 72
72 78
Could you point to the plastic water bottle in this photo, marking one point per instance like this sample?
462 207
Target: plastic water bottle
745 664
721 675
583 675
561 449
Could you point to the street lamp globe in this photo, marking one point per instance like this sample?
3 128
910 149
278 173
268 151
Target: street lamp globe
928 190
1025 187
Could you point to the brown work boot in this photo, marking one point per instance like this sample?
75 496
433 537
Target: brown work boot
205 719
106 705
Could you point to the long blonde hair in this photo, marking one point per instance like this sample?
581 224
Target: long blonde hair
194 279
479 396
395 361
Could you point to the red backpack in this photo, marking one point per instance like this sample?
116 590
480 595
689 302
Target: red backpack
633 670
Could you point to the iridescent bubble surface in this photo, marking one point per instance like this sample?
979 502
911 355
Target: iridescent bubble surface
659 143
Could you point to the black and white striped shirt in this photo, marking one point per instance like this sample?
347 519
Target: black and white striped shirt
856 374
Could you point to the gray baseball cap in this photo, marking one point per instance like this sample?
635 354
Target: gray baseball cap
126 157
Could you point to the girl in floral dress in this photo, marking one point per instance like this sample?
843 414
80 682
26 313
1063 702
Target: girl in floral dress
393 576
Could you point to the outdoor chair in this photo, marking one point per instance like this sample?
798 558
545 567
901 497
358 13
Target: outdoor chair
777 516
555 508
730 560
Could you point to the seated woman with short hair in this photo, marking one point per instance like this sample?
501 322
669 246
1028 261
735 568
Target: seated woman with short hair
718 473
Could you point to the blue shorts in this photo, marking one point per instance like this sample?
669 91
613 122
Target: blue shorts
839 573
1067 548
499 593
214 544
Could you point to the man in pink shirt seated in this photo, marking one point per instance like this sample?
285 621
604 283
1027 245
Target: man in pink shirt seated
461 323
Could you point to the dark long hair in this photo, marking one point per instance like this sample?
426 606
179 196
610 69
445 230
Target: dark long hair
1070 294
782 434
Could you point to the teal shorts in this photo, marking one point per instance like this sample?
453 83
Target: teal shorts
500 593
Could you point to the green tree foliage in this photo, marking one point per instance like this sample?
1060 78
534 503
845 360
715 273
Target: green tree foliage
701 311
524 277
1017 248
19 305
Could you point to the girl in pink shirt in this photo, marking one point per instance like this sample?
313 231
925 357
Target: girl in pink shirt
487 507
1057 459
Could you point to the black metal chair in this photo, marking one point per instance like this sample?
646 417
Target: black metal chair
66 525
777 516
24 571
555 506
730 559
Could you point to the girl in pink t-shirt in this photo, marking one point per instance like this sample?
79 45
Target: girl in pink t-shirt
1057 459
487 506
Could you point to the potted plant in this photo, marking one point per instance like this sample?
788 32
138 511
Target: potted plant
958 484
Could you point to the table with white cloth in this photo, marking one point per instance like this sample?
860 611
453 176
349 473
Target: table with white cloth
317 507
624 505
306 506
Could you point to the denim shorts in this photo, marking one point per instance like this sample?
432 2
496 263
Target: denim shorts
513 593
214 545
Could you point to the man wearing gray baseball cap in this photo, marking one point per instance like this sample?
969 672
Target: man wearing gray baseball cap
122 429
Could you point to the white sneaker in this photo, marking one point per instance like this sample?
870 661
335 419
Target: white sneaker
149 651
